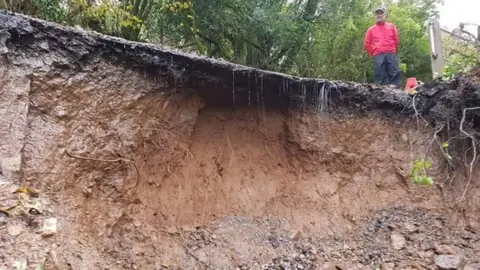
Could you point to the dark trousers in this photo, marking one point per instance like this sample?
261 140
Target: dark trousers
385 67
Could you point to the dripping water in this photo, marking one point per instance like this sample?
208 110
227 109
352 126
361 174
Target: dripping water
323 96
262 97
233 89
259 114
249 89
316 100
289 95
258 93
304 95
263 106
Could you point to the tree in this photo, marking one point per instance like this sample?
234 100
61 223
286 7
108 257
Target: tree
315 38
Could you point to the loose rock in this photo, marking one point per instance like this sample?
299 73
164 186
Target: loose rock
202 256
333 266
12 164
20 265
172 230
388 266
15 230
449 262
49 227
446 250
410 227
470 267
398 241
296 235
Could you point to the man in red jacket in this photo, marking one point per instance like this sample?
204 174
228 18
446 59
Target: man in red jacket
381 42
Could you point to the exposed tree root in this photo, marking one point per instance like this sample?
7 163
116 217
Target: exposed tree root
474 147
137 178
417 114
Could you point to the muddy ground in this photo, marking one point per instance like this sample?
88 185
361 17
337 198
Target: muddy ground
143 159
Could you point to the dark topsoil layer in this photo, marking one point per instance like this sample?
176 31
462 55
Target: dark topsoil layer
224 83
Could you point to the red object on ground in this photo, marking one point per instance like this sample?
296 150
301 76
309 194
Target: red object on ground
411 83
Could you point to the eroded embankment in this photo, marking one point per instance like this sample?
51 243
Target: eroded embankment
144 165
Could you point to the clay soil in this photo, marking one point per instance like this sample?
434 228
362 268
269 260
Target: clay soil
252 189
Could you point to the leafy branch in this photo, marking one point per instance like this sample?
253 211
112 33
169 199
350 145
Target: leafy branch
419 172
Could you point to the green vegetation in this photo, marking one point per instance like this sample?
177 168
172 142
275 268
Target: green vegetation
315 38
419 172
461 53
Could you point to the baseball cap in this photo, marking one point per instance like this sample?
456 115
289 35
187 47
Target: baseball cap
381 8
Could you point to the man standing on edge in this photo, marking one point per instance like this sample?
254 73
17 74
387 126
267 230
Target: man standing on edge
381 42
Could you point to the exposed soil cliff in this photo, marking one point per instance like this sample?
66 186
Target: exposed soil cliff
152 159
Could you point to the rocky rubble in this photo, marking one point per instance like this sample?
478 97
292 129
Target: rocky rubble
393 239
449 262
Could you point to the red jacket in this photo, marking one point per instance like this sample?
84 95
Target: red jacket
381 38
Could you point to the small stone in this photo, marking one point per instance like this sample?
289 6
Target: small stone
12 164
410 227
388 266
202 256
449 262
172 230
391 226
425 254
336 254
20 265
398 241
3 218
14 230
49 227
165 265
473 225
446 250
61 113
337 150
274 241
87 191
333 266
417 237
188 228
469 267
296 235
